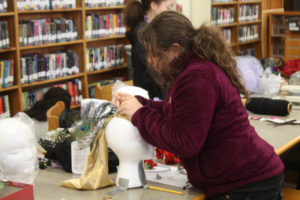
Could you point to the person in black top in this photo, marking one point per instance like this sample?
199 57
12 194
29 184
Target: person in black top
135 15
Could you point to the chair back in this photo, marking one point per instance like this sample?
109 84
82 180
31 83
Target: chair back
105 92
53 114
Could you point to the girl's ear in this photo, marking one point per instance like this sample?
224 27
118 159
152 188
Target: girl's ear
173 52
175 49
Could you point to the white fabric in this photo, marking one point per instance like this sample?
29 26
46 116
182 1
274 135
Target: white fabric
251 69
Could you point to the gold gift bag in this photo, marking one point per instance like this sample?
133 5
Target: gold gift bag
95 171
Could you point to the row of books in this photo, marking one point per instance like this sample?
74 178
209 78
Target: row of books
104 57
7 70
101 83
103 3
41 67
222 16
248 13
4 107
4 35
222 1
105 25
247 52
279 25
45 4
227 35
73 87
248 33
277 48
3 5
45 31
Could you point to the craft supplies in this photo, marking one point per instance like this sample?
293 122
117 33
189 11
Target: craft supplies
167 175
290 89
162 189
268 106
295 101
278 122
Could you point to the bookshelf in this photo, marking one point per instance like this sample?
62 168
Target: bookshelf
278 25
70 37
240 21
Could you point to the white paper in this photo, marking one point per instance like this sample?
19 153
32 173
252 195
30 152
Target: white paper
171 176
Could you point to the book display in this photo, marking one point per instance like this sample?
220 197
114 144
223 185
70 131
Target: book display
4 107
102 83
4 37
45 4
103 3
73 87
279 23
104 25
67 43
46 31
240 21
104 57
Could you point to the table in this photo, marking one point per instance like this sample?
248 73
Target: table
47 183
281 137
47 187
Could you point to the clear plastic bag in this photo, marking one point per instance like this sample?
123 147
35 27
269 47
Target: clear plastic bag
18 149
295 79
269 83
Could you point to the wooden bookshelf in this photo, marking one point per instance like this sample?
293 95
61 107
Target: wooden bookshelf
237 43
277 32
78 14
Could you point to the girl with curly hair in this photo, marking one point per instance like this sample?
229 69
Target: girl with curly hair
202 118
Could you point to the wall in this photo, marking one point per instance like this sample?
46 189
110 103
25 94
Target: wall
186 7
198 11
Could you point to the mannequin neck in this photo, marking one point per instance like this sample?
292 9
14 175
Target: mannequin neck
132 171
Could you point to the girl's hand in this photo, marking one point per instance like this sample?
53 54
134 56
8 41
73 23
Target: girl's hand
127 104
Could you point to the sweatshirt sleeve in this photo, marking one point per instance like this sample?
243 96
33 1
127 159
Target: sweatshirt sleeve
157 105
192 107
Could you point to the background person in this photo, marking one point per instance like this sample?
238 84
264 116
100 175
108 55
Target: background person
135 14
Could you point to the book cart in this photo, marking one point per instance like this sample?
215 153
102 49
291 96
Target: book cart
240 21
73 44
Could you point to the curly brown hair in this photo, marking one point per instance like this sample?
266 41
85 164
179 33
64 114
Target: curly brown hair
207 42
39 109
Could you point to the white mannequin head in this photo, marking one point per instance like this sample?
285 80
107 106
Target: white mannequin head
125 140
18 154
